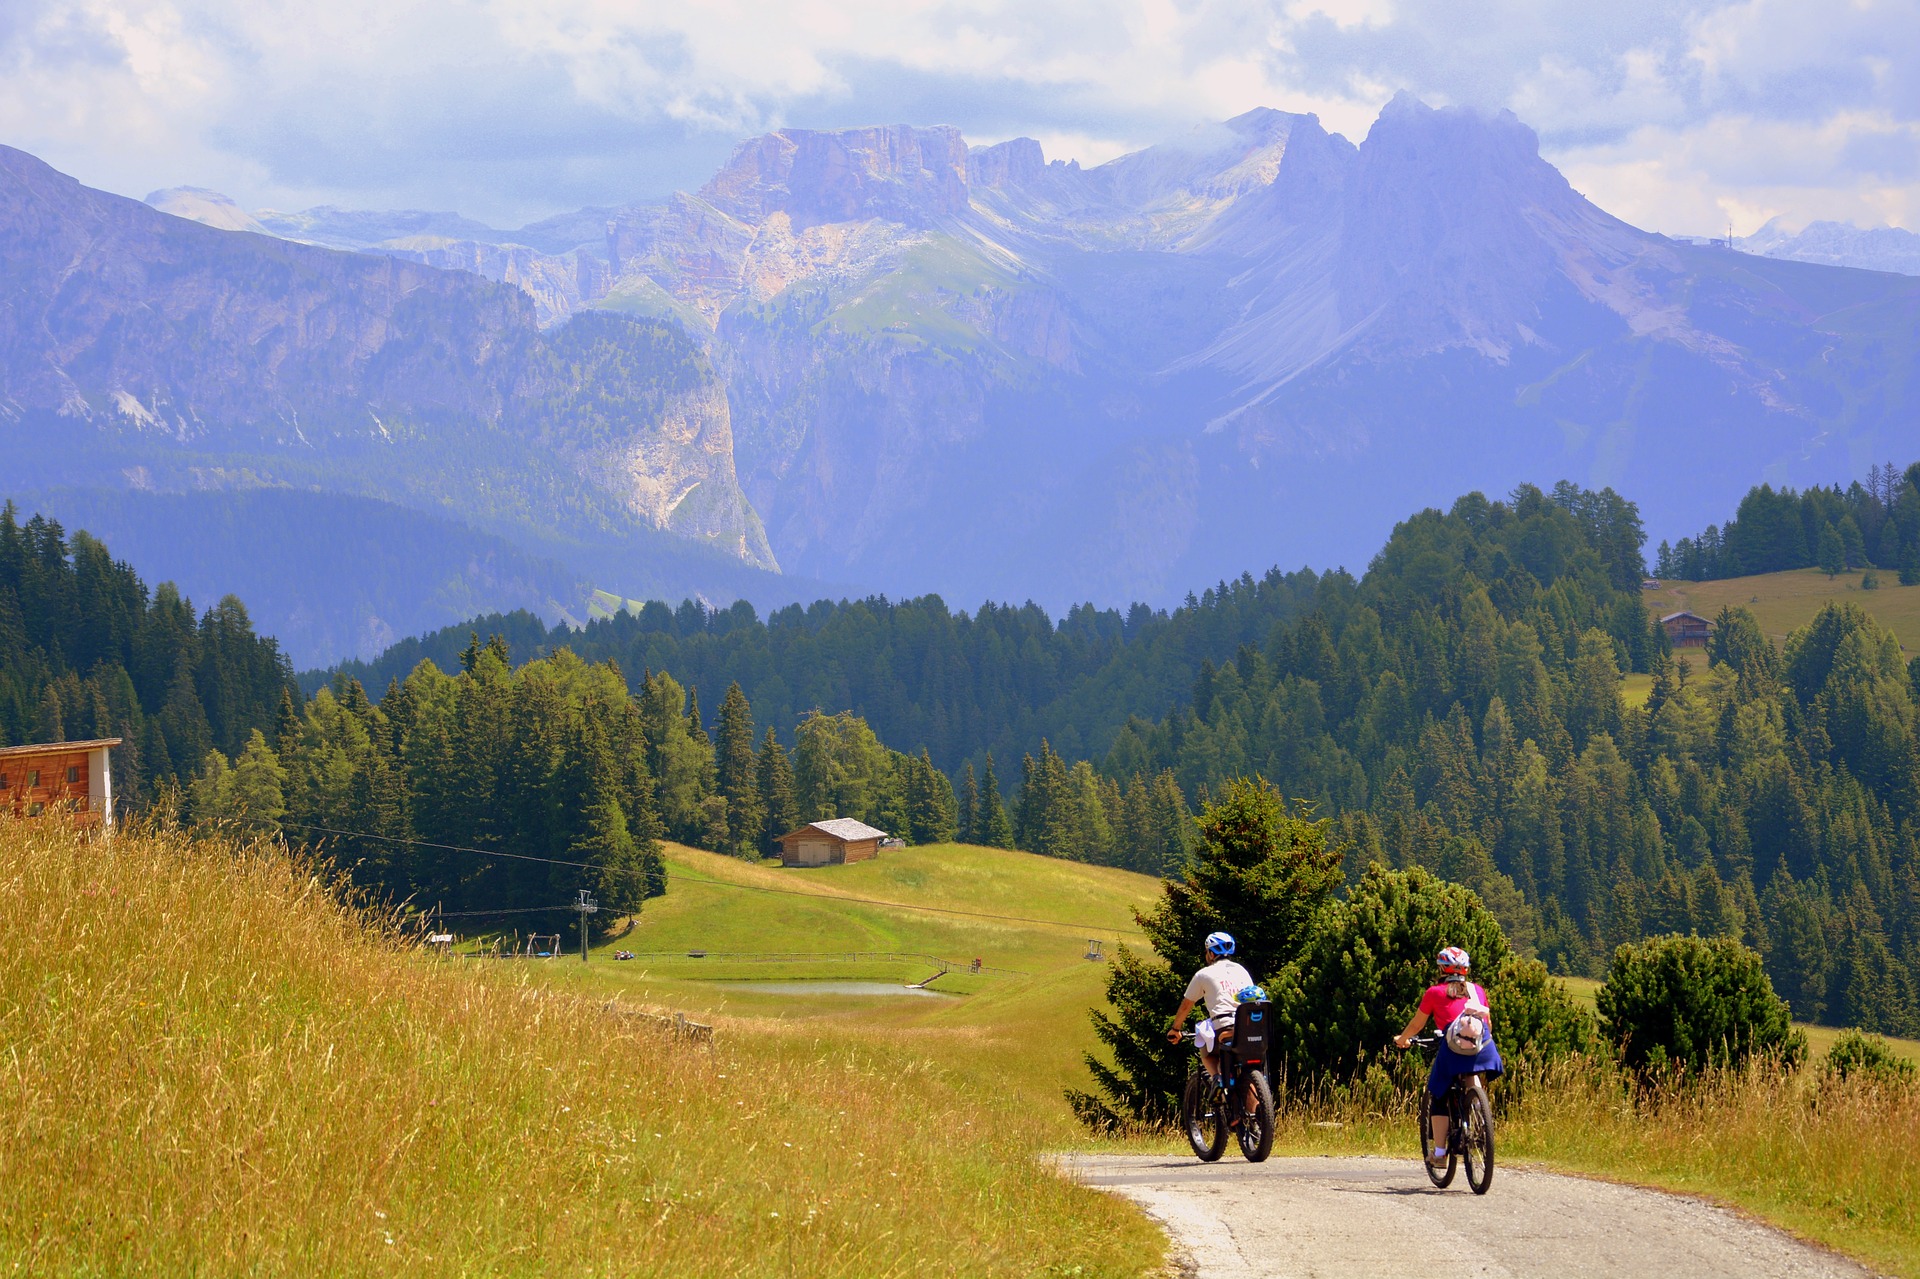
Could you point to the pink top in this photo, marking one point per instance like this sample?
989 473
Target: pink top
1443 1008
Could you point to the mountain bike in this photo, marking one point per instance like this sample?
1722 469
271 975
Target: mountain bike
1238 1100
1469 1127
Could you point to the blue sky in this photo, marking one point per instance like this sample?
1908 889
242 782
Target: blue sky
1680 116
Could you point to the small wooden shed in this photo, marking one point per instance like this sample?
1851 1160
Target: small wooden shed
70 778
1686 630
830 843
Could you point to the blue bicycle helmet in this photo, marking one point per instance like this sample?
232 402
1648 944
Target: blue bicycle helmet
1252 995
1219 943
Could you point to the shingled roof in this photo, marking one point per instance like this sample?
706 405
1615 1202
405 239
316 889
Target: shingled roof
845 828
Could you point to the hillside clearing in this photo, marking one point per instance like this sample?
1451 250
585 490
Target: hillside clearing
1020 1032
1784 602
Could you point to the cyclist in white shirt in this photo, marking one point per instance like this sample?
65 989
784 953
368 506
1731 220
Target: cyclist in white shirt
1217 988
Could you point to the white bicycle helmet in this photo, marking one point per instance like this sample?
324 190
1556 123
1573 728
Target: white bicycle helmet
1219 943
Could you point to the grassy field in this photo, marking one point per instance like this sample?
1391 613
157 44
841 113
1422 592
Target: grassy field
1784 602
1019 1032
214 1068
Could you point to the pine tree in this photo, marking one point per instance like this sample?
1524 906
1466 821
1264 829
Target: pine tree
1832 552
778 805
969 806
993 828
1260 872
734 765
929 801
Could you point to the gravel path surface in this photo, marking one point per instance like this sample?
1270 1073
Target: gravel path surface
1331 1218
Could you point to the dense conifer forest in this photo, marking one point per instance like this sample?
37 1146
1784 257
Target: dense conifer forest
1875 525
1458 707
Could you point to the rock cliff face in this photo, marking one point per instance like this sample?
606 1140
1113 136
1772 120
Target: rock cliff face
143 349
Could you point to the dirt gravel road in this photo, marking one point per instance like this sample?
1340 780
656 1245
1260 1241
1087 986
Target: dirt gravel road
1335 1218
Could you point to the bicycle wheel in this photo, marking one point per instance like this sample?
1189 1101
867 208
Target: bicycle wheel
1204 1118
1478 1138
1256 1125
1441 1177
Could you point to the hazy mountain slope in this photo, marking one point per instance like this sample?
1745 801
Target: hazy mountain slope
331 577
559 277
149 351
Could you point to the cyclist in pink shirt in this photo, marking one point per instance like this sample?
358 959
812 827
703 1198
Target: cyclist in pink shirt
1443 1003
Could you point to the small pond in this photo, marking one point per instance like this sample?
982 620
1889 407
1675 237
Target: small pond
839 988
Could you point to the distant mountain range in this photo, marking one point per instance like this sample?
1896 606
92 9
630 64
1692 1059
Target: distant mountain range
1883 248
884 357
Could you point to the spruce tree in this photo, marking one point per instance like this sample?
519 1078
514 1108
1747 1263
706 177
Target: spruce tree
1261 871
734 765
993 828
929 801
1832 552
778 805
969 806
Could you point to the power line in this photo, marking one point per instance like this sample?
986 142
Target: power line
452 848
695 879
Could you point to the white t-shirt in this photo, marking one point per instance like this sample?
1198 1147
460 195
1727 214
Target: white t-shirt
1217 988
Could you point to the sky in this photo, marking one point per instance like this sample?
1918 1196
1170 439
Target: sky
1679 115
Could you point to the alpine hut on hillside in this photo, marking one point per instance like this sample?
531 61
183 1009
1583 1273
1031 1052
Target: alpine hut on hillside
1686 630
830 843
72 779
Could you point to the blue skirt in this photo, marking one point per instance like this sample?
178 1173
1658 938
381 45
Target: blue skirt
1447 1064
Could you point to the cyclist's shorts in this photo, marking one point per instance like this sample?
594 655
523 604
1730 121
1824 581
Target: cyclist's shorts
1447 1064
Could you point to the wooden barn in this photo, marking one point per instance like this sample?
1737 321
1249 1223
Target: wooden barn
830 843
70 778
1686 630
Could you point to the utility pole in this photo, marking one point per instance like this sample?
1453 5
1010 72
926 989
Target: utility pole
586 906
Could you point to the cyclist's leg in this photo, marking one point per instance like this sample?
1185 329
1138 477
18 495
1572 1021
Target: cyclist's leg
1442 1119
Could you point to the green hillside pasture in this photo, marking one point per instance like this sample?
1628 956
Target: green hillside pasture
1017 1035
1784 602
217 1070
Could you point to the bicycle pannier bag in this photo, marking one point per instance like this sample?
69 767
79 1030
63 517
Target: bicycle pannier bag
1253 1031
1467 1035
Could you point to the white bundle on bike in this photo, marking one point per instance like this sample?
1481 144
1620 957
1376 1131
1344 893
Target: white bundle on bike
1467 1034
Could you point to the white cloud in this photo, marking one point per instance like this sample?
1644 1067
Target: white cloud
1667 111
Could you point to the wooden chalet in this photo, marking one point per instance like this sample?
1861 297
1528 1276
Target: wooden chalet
830 843
71 779
1686 630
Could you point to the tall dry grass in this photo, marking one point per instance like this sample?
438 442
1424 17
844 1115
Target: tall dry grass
1833 1161
208 1065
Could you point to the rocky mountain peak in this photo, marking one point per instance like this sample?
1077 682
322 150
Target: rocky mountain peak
210 208
1016 162
895 172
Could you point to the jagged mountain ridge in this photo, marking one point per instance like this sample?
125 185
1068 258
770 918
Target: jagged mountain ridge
974 370
1255 343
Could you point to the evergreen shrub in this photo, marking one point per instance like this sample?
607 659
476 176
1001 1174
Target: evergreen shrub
1688 1004
1369 958
1261 869
1856 1055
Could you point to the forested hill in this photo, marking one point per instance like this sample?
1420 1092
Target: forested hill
1460 706
86 651
1003 677
1871 525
